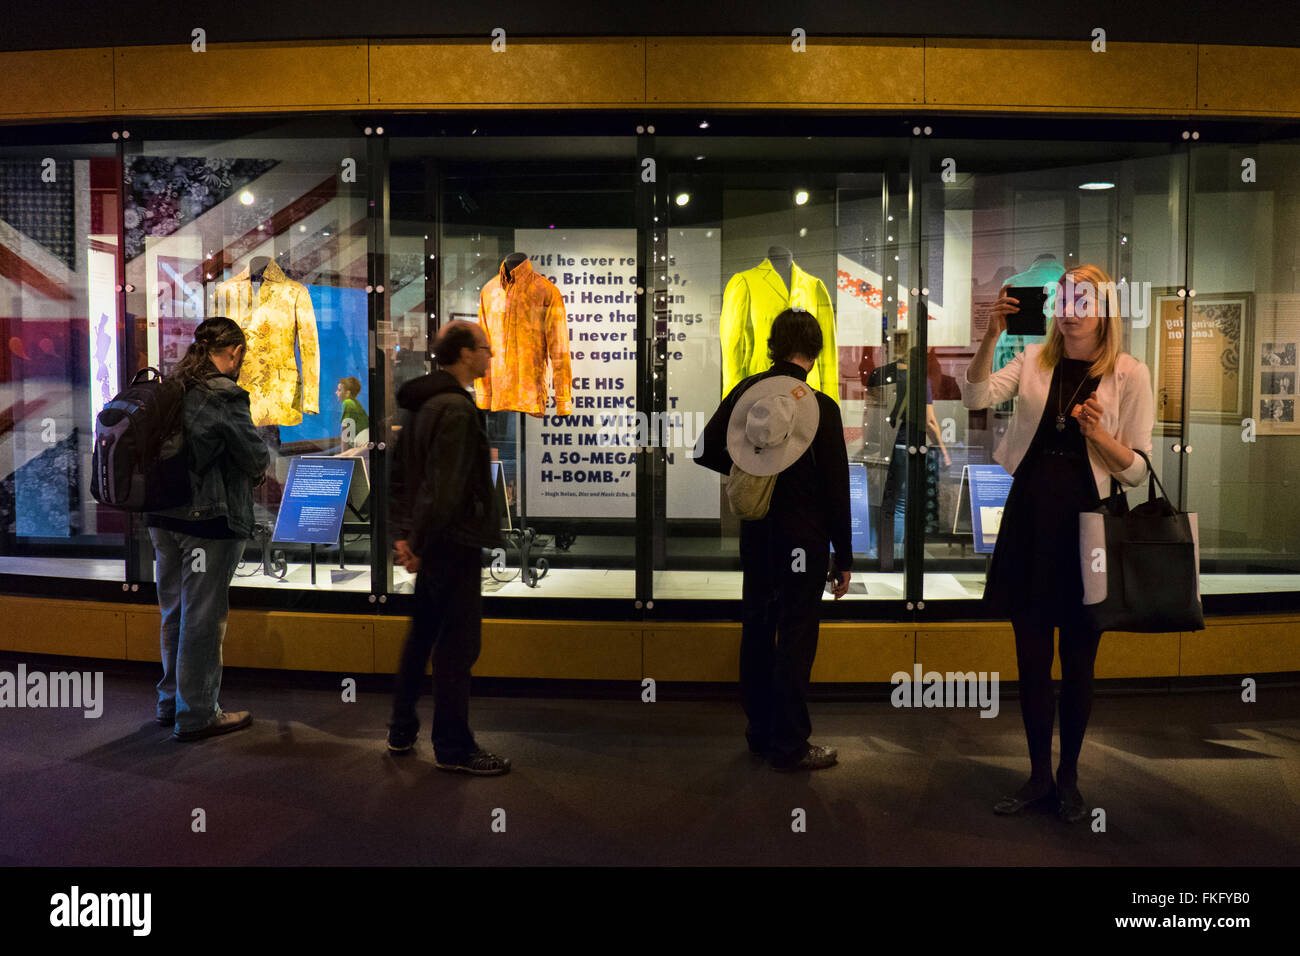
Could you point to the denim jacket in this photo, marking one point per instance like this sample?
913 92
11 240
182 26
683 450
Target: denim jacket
225 455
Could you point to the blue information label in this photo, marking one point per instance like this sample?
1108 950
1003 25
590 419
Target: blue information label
859 509
989 485
315 494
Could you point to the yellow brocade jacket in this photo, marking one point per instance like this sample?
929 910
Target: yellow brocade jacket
524 319
750 303
279 391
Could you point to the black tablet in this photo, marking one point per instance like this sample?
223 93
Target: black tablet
1032 317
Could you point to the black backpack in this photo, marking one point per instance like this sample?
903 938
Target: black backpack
139 458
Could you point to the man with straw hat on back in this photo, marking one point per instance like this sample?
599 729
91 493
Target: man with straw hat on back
781 444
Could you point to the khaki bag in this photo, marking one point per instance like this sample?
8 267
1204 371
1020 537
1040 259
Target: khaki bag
749 495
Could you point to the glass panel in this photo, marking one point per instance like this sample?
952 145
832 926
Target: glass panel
269 229
61 340
1019 214
562 326
755 226
1243 444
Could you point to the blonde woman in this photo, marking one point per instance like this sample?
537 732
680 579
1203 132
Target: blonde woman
1084 405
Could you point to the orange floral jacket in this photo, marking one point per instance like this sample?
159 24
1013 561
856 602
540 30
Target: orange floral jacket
526 325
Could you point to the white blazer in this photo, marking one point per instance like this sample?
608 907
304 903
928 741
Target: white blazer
1125 396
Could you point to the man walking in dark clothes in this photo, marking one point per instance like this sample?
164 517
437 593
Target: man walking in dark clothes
774 423
443 512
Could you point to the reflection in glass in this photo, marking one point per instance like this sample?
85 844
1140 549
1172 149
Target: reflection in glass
270 232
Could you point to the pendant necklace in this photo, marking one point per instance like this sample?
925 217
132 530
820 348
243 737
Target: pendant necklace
1060 415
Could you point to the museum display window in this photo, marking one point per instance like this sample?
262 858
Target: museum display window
60 336
268 226
627 280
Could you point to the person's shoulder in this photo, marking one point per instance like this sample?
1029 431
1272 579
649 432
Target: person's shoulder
449 405
222 389
1127 365
826 406
744 385
1028 358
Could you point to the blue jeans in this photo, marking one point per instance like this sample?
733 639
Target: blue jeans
193 576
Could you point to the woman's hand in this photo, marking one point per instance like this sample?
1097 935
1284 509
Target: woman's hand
1089 414
998 314
1114 454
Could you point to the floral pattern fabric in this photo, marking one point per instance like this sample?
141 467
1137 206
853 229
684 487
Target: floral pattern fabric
523 315
165 192
279 391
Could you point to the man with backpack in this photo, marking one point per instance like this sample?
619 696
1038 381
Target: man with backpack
198 545
774 435
443 513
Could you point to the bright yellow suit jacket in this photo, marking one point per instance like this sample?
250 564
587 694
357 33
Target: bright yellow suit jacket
750 303
279 391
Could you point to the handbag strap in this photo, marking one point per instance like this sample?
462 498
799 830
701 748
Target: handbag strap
1152 481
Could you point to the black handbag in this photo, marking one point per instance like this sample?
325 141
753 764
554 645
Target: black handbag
1141 566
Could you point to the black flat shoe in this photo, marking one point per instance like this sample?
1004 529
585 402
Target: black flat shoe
1070 806
1015 803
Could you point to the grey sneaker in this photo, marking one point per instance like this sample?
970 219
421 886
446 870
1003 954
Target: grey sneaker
224 724
817 758
480 763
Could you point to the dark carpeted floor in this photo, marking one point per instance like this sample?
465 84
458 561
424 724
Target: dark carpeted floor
1194 778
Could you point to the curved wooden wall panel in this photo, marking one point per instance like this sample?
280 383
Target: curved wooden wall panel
1155 79
1029 75
56 83
688 71
628 650
464 73
238 77
1255 81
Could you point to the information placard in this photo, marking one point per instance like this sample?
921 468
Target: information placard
315 494
859 509
989 486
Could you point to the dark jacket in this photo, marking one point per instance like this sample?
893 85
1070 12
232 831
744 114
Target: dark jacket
442 472
224 454
810 502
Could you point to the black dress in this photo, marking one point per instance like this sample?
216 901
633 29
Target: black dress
1035 560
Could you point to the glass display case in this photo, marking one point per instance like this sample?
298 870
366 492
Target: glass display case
752 226
269 227
627 277
1018 213
60 351
535 237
